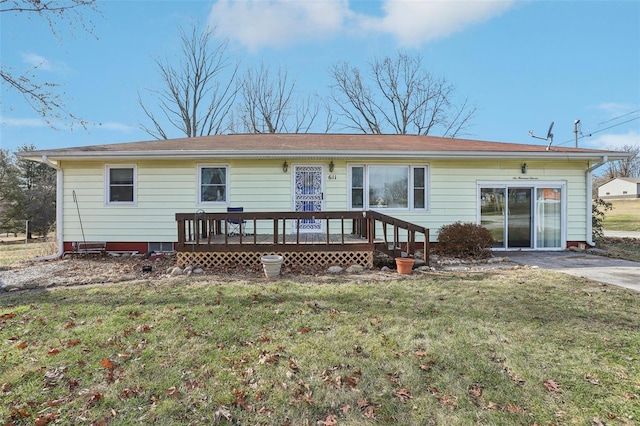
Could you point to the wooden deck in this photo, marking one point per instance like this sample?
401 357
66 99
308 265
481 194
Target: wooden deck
341 231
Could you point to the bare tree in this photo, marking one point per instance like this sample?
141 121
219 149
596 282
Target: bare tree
43 97
268 104
629 167
198 91
398 96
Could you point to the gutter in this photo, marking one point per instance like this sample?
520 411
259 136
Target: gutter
589 239
59 215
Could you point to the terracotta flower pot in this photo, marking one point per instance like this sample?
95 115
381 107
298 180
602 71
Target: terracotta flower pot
271 265
405 265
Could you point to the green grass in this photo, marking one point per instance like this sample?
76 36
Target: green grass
496 348
625 216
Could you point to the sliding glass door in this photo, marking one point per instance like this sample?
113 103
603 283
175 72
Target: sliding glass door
521 217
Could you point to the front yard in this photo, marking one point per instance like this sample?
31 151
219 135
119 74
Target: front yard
517 346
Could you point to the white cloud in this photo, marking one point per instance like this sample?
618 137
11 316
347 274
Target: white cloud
612 141
615 109
412 23
277 22
37 61
23 122
115 126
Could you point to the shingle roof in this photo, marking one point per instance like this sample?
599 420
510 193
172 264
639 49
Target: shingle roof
317 145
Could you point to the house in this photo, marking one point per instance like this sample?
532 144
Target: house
130 195
621 187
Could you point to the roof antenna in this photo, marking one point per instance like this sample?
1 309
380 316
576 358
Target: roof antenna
548 138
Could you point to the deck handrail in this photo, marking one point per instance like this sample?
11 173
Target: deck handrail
196 231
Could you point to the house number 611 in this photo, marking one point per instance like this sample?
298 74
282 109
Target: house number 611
332 177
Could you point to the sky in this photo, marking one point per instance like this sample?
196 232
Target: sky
522 64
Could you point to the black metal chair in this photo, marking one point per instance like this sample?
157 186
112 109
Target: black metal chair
236 226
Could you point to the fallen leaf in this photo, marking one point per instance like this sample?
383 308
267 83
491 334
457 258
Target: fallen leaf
73 342
420 353
403 394
106 363
591 379
8 315
330 420
551 386
512 408
41 421
53 351
305 330
475 390
22 345
173 392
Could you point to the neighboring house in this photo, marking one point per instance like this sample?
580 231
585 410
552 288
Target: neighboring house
128 194
620 188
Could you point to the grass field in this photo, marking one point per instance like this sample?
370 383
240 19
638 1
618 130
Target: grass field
625 216
14 250
518 347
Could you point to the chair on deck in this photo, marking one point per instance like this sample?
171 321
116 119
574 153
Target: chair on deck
236 226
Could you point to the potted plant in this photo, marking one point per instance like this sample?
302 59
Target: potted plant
271 264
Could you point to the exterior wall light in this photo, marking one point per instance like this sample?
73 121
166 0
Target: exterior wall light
285 167
523 168
331 166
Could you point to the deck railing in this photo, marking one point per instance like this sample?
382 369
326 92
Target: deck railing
283 231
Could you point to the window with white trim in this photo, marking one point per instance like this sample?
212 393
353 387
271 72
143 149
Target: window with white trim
213 184
402 187
120 184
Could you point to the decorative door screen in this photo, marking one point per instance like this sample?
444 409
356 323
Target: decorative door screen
308 195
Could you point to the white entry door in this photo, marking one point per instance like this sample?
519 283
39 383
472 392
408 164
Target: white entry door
308 195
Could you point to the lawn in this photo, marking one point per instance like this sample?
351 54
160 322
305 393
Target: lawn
14 250
508 347
625 216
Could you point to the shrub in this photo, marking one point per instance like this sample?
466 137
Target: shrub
464 240
599 208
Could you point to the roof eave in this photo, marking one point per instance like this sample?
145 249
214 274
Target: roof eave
79 155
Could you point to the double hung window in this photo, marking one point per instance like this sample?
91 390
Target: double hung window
213 183
120 184
388 187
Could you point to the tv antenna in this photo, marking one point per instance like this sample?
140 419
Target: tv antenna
549 137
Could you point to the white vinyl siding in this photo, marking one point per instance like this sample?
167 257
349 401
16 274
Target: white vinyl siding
167 187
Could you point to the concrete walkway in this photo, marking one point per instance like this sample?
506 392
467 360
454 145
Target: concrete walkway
617 272
622 234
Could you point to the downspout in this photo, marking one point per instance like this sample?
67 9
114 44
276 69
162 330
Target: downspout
59 215
605 159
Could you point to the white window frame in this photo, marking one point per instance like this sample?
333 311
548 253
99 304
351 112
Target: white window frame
410 186
107 185
199 200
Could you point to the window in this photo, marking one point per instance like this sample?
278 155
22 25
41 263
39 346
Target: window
121 184
212 184
164 247
388 187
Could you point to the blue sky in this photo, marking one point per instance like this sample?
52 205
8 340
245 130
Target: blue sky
523 64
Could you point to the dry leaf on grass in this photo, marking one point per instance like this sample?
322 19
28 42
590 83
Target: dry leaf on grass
551 386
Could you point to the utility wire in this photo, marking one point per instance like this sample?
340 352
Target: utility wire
582 136
618 117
